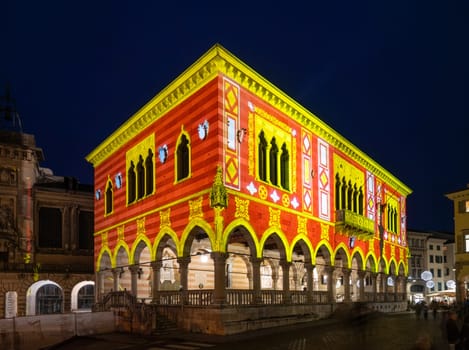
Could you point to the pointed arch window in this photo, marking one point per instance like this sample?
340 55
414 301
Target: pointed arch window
360 201
262 151
140 178
131 183
183 158
343 195
285 168
109 198
337 192
149 173
273 157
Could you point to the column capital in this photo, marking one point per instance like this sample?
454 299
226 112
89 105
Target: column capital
184 260
156 264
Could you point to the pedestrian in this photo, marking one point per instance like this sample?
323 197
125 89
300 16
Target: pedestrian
465 334
452 330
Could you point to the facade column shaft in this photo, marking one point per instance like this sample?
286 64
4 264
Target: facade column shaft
155 281
374 281
361 289
346 274
309 281
286 281
220 263
115 278
256 279
184 272
330 283
133 279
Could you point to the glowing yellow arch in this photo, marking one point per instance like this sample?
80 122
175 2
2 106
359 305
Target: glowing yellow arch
232 225
269 232
165 231
295 240
197 222
100 256
116 251
405 267
359 251
326 245
372 256
347 254
140 238
393 261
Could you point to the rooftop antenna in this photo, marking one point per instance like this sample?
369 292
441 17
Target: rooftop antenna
9 117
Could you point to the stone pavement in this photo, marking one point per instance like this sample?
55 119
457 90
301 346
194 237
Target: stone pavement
384 332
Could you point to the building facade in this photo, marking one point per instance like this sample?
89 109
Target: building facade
46 231
460 201
223 191
431 266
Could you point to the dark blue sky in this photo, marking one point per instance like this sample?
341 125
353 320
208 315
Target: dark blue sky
392 77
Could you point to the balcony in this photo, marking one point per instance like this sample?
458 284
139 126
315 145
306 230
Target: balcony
353 224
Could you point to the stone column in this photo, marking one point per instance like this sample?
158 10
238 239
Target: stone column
329 270
115 277
361 288
374 284
133 279
309 281
219 259
99 286
346 274
184 272
286 281
256 279
155 281
275 275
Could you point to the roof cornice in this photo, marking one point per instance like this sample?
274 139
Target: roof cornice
216 61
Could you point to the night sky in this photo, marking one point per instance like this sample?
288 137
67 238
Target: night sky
390 76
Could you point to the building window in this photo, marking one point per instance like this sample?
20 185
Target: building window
49 300
438 247
273 157
262 162
466 239
109 198
431 258
463 206
50 228
284 168
431 247
149 173
131 183
85 299
183 158
438 272
140 178
85 229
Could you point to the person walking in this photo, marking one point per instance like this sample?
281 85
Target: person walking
453 334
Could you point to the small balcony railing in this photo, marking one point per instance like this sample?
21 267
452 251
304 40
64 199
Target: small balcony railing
353 224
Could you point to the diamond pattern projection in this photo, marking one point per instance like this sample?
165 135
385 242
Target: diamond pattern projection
307 199
323 178
232 171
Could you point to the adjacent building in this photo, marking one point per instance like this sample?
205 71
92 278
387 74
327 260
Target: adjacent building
431 266
223 192
460 200
46 229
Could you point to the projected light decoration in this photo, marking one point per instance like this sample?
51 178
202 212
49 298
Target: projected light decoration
390 281
451 284
430 284
426 275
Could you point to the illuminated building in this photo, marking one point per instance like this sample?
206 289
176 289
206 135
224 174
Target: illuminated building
222 192
461 234
46 227
431 263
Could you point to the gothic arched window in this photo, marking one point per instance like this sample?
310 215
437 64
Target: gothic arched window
131 183
273 157
109 197
149 173
183 158
140 178
262 162
284 168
